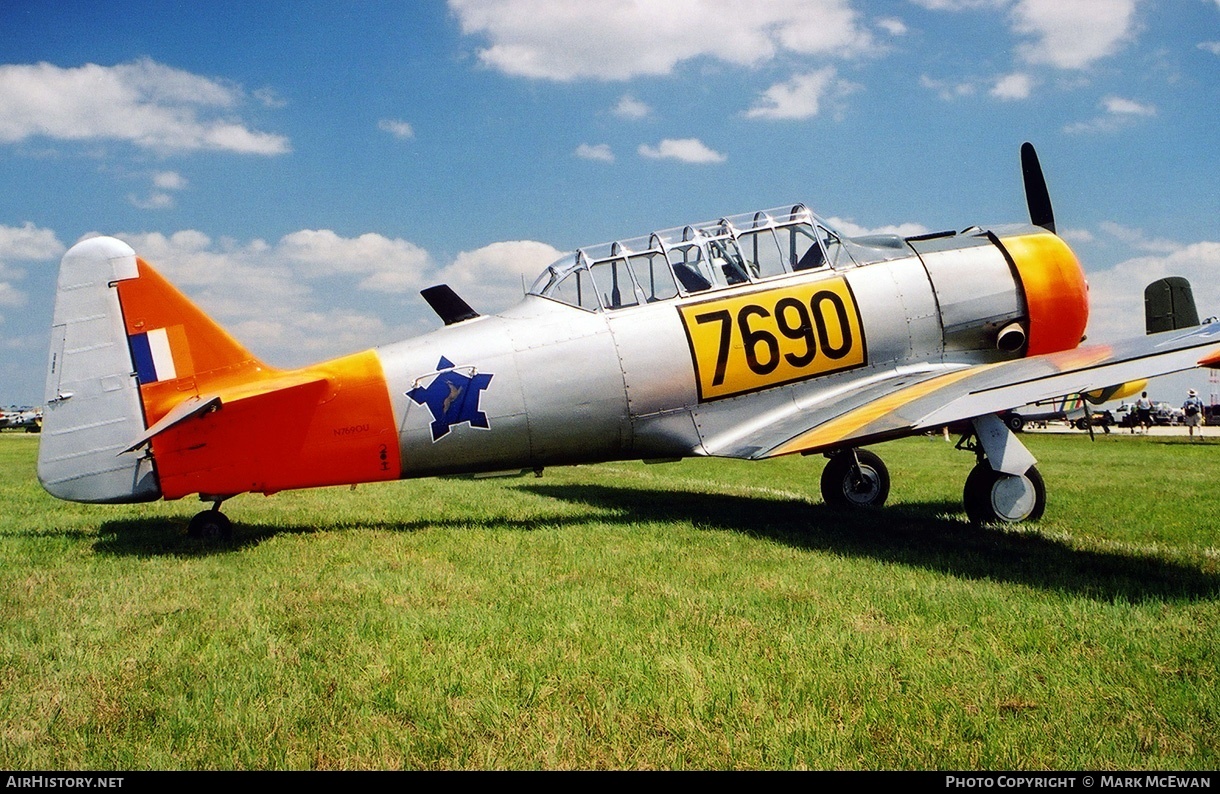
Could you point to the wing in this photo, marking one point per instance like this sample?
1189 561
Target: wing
913 401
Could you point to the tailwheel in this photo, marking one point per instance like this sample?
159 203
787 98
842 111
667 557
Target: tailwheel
993 497
855 478
210 525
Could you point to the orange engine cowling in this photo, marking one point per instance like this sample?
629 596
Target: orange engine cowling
1056 293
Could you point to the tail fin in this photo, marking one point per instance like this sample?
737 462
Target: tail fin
93 402
126 347
176 349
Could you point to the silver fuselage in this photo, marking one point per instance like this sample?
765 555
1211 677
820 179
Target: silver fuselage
571 385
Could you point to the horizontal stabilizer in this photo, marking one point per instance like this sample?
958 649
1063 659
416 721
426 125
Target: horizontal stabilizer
446 303
199 405
188 408
1169 305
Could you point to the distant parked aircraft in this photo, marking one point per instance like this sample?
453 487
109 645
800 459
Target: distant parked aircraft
27 419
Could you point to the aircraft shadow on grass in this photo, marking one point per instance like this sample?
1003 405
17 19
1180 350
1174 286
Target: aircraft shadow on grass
925 535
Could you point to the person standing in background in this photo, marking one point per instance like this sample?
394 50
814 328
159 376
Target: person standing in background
1193 408
1143 411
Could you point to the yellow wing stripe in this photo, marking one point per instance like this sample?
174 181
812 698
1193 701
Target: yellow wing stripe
841 427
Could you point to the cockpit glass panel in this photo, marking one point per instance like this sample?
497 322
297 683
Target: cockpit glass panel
763 254
654 276
574 288
727 265
614 284
686 260
803 249
544 281
689 267
836 252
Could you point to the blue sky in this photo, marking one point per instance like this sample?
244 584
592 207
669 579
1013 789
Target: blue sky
302 169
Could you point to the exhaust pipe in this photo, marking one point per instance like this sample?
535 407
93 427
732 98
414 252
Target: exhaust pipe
1011 338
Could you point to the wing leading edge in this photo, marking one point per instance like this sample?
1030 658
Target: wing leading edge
940 399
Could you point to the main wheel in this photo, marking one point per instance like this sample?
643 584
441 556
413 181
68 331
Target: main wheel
995 497
846 485
1015 422
210 525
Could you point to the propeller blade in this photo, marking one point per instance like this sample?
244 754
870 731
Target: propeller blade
1087 417
1037 197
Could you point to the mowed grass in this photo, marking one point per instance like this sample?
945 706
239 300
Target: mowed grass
698 615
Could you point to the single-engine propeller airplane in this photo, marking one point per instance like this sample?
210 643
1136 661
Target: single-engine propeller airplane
755 335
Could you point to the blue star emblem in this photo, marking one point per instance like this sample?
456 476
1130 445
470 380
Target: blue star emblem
453 398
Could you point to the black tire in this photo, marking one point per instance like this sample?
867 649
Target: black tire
843 485
992 497
210 525
1015 422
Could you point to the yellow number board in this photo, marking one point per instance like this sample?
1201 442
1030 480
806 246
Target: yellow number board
749 342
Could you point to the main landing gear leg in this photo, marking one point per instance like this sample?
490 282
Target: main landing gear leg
211 524
855 478
1004 486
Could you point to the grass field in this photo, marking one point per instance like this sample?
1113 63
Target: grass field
697 615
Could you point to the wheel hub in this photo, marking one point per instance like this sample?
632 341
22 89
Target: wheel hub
862 487
1013 498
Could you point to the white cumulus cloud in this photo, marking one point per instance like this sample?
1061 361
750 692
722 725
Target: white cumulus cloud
496 276
852 229
1127 107
959 5
1017 85
798 98
1116 295
948 89
315 294
291 302
144 103
399 129
25 243
565 41
1118 113
169 180
892 26
686 150
1072 34
595 151
10 296
629 107
381 263
153 201
28 243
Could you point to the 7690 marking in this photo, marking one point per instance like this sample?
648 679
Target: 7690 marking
750 342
